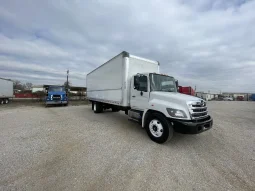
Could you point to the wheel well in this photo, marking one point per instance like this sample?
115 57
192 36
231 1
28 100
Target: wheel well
148 113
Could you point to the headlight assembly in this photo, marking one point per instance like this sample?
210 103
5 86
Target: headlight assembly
176 113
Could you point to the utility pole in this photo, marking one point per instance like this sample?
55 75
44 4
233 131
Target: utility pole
67 83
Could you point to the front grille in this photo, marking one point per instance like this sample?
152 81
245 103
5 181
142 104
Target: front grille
198 120
198 110
56 97
199 114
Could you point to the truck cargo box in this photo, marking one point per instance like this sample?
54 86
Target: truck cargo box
6 88
110 82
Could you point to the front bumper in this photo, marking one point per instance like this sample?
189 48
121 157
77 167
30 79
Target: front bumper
193 126
56 102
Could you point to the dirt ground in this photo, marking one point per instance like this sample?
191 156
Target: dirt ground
71 148
35 103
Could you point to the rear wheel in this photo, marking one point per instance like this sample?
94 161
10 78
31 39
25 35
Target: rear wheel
1 101
92 106
6 101
159 128
98 107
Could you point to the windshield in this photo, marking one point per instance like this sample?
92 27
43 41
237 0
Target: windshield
56 89
162 83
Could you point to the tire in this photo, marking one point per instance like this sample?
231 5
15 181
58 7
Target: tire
92 106
6 101
1 101
158 128
98 107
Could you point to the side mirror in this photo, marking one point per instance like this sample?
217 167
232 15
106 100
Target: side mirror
136 86
136 82
177 84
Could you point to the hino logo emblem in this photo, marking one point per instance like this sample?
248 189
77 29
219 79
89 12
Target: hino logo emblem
202 103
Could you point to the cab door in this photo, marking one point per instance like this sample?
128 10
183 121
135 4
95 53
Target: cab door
139 92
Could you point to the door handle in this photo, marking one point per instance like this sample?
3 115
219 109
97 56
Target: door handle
133 96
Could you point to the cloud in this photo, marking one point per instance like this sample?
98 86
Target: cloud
208 44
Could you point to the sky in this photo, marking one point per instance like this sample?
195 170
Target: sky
209 44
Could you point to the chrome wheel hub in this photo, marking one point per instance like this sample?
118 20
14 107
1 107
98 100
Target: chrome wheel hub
156 128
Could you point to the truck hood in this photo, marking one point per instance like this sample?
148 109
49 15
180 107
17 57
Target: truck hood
173 96
56 93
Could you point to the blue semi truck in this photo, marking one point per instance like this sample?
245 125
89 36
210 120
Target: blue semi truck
56 95
252 97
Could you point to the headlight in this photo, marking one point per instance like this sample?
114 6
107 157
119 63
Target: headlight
176 113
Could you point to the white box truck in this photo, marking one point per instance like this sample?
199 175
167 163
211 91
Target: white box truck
6 90
134 85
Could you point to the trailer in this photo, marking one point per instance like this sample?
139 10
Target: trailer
187 90
6 90
111 82
135 85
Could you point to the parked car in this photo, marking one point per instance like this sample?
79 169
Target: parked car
228 99
240 98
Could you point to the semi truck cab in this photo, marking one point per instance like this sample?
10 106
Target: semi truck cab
153 93
56 95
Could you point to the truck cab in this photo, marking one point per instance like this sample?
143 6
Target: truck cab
56 95
154 100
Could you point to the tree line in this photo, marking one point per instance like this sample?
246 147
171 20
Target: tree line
18 85
22 86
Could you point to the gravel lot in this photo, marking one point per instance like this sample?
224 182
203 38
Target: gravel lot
71 148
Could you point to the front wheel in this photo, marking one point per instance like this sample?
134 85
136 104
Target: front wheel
159 128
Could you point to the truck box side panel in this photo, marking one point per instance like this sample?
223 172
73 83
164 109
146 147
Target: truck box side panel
6 88
105 83
139 65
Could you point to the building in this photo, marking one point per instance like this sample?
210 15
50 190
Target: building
207 96
37 88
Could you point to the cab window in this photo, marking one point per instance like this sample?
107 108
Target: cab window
141 83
